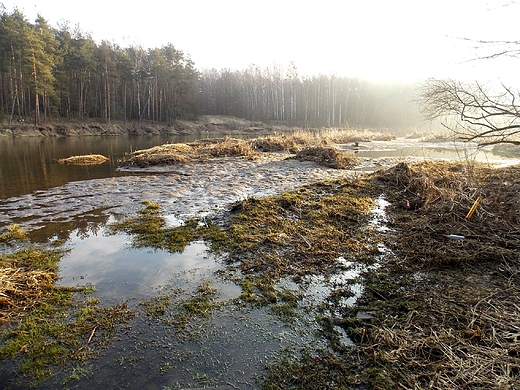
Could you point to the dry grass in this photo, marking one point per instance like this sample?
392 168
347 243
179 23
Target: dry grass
328 156
447 311
89 159
25 277
307 145
20 288
464 335
440 196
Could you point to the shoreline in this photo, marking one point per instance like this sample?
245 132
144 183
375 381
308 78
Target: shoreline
215 124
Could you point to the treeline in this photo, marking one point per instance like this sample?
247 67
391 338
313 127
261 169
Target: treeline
48 73
282 95
55 72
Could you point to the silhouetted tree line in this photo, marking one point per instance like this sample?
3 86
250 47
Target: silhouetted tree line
282 95
48 72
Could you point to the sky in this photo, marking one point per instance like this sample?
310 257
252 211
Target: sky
398 40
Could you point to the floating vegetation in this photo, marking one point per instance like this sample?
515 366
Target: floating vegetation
45 326
88 159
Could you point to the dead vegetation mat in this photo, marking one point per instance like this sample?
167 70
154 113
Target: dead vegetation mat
442 313
447 311
306 146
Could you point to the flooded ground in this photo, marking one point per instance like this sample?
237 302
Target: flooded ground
230 347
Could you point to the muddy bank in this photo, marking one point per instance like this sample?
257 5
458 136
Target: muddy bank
216 124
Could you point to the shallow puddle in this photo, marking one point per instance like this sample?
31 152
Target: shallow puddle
120 272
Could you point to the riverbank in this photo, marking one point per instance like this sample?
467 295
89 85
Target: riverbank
215 124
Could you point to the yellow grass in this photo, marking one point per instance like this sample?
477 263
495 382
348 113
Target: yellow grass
89 159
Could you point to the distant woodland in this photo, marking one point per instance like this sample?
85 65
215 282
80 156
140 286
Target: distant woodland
49 73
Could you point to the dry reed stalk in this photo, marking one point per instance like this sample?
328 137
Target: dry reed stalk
20 288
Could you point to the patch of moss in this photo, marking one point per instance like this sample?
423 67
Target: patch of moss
14 233
47 327
148 230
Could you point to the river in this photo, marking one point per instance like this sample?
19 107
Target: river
74 204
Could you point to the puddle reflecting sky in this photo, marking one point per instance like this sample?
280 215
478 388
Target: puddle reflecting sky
121 272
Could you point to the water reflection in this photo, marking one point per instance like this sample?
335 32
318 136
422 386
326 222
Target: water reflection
29 164
121 272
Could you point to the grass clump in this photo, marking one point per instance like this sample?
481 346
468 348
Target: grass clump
13 234
328 157
89 159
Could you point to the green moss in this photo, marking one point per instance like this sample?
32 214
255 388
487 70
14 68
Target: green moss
14 233
148 230
54 325
201 302
157 305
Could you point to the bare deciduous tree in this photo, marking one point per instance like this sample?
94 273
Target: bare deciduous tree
473 112
486 114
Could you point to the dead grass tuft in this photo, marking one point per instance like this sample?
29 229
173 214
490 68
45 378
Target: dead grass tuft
89 159
440 196
229 147
25 277
328 156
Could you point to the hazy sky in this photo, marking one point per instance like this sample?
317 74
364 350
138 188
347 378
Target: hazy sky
376 39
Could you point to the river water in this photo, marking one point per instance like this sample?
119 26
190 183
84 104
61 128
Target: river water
75 203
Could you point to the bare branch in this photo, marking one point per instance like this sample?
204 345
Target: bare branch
472 111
